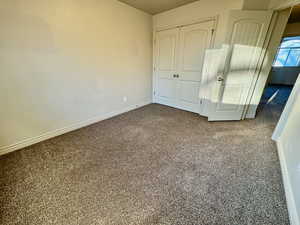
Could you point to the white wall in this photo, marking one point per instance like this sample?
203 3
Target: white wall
198 10
256 4
67 63
287 136
281 4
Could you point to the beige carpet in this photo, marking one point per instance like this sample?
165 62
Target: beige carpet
154 165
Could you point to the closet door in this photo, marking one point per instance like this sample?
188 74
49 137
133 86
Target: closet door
194 40
166 67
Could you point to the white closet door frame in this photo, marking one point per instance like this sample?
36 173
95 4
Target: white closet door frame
215 19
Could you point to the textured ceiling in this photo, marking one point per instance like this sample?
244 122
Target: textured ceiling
295 15
156 6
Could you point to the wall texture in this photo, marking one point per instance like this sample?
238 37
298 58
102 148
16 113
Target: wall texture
67 63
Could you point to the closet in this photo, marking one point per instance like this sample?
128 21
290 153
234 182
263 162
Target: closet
179 55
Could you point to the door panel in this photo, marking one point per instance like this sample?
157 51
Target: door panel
194 40
188 92
232 95
167 88
166 61
167 45
246 34
188 96
212 66
194 43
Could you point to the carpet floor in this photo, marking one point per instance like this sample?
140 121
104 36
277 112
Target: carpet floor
154 165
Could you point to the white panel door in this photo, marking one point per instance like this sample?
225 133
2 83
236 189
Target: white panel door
246 33
194 40
166 66
213 64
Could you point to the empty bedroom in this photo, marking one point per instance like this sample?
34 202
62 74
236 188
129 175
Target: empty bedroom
161 112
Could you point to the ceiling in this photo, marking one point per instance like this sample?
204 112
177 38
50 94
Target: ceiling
295 15
156 6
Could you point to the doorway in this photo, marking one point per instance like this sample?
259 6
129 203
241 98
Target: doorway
285 68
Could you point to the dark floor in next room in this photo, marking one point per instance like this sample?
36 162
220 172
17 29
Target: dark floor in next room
154 165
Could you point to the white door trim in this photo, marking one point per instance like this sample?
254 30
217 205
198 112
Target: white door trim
187 23
287 111
273 41
260 65
291 204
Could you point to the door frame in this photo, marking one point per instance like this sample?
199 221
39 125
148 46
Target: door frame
265 67
215 20
259 70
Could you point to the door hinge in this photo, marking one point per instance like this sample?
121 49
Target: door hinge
212 31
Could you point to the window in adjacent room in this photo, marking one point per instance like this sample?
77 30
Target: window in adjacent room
288 53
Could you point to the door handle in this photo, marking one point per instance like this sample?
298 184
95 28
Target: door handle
220 79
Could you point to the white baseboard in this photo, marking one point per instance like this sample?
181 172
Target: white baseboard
72 127
293 213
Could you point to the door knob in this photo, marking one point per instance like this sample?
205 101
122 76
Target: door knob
220 79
